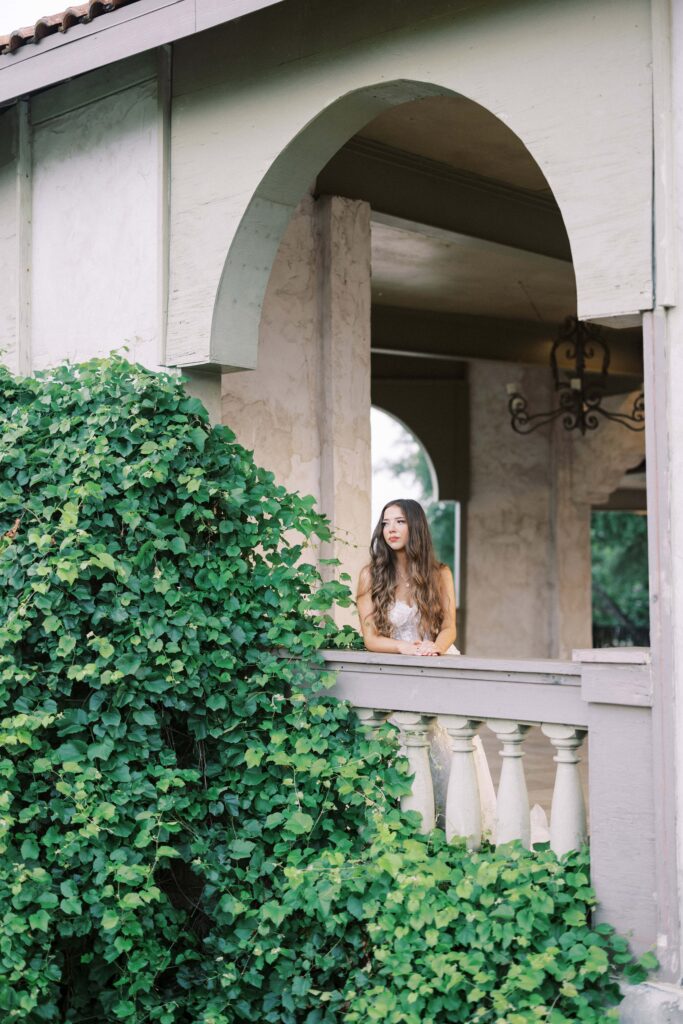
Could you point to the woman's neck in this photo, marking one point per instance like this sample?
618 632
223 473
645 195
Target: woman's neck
402 564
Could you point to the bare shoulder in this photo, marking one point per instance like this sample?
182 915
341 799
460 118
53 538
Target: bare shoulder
445 574
446 584
364 580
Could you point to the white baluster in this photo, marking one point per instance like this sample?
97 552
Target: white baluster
371 720
512 816
416 742
568 811
463 802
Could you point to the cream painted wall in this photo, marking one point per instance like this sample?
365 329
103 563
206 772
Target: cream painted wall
9 243
96 229
572 79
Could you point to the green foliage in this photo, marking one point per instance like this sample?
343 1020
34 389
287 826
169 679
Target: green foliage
495 936
192 830
620 570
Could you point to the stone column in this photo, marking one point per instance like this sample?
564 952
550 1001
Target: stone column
305 409
273 409
344 410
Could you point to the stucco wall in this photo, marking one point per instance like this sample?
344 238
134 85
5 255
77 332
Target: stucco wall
274 408
305 410
508 595
528 518
259 108
96 229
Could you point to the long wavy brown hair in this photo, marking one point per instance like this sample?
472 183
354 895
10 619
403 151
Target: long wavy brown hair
423 571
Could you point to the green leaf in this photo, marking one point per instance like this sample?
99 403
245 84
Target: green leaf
648 961
253 757
105 561
241 848
30 850
66 645
298 823
198 438
217 701
40 921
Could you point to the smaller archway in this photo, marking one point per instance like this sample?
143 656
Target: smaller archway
402 468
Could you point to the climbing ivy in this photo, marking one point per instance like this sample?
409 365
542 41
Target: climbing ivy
192 831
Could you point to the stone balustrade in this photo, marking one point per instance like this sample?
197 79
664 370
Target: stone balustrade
602 695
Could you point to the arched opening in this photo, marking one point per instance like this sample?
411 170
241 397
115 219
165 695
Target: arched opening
426 267
382 125
402 467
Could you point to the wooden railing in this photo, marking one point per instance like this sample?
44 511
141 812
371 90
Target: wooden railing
604 695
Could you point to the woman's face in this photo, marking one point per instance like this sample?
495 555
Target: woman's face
395 527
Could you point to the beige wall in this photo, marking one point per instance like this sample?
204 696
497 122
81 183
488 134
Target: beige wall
257 112
508 520
305 410
274 408
528 518
305 413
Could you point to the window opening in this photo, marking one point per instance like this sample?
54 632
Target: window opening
402 468
621 615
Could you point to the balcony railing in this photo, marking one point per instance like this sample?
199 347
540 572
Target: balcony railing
602 694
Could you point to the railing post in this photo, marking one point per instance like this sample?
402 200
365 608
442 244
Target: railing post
371 720
512 815
414 728
463 801
568 811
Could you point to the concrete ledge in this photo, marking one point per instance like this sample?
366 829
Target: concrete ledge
652 1003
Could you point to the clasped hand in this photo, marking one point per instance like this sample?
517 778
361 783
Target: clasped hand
422 648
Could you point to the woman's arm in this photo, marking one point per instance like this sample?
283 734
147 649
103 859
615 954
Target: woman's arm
446 635
372 639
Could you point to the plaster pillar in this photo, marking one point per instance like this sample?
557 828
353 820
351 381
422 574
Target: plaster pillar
273 409
305 410
344 304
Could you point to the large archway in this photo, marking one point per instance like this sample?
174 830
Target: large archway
239 299
423 267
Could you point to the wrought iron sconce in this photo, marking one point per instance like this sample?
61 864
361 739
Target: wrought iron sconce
582 388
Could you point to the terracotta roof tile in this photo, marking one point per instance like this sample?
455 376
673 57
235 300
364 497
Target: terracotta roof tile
75 15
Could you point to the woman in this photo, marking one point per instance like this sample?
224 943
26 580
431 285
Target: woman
406 605
406 599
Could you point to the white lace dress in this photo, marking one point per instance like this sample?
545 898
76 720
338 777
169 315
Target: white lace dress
405 625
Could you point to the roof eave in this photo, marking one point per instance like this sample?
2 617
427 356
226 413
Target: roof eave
122 33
